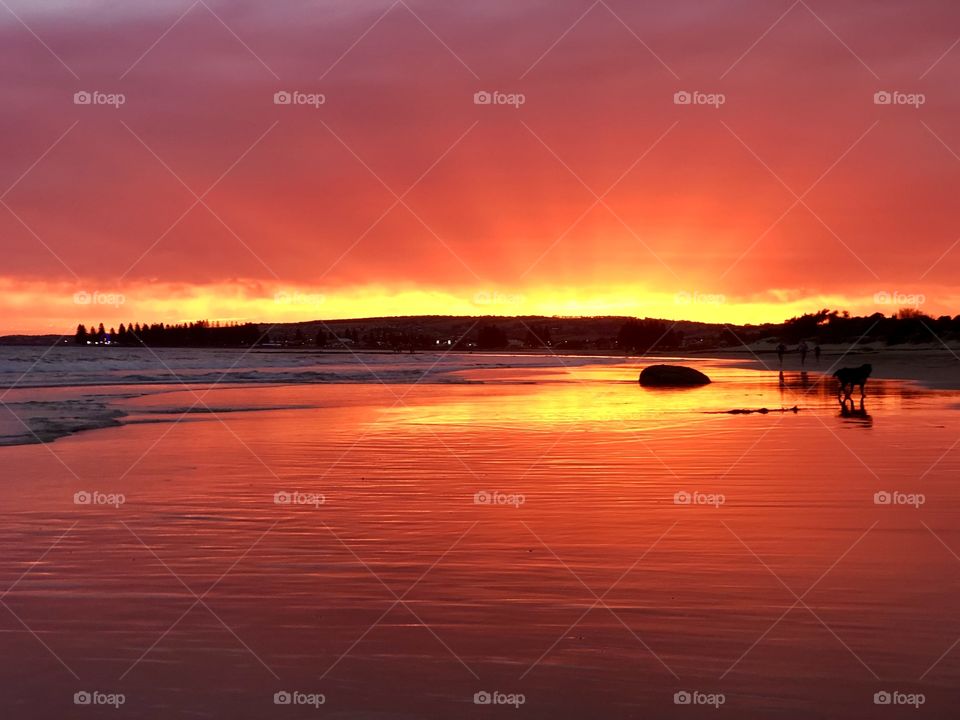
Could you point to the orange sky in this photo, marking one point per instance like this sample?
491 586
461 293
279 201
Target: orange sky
399 195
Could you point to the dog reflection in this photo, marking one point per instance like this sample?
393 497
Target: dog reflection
849 410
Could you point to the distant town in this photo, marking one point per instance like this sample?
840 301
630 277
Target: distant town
534 333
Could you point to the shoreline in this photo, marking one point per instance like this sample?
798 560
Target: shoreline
932 367
54 411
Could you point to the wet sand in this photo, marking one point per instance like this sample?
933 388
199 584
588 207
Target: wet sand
579 577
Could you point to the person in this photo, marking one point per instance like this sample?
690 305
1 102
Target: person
816 352
781 349
803 353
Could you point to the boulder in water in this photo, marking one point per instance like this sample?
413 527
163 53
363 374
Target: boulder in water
672 376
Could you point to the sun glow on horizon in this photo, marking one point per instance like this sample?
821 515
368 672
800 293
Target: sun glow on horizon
56 308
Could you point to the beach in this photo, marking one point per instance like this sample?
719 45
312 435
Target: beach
538 529
420 360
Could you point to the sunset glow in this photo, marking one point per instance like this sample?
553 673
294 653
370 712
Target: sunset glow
655 152
56 307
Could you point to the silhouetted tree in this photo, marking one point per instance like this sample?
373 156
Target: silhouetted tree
805 326
490 337
538 336
641 336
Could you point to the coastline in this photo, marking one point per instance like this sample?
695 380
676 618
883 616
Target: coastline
98 395
935 367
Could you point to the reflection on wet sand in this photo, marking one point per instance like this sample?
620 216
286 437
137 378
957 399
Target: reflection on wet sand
800 380
850 411
496 596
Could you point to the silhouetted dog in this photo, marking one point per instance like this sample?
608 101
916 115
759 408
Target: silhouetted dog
853 377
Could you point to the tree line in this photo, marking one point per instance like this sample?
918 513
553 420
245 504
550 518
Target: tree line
202 333
907 325
632 336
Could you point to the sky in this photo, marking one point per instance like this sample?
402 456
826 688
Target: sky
739 161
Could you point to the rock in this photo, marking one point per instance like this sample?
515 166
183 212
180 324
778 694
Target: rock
672 376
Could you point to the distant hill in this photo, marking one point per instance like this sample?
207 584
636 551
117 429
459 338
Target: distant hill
613 334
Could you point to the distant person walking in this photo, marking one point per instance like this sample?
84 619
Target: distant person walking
781 349
803 353
816 352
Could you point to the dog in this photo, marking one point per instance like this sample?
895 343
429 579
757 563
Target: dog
853 377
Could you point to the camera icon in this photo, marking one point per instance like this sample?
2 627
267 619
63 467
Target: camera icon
882 297
82 698
882 498
282 97
82 298
682 497
882 97
82 97
682 97
482 698
482 98
282 498
882 698
682 298
282 698
82 498
482 498
682 697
